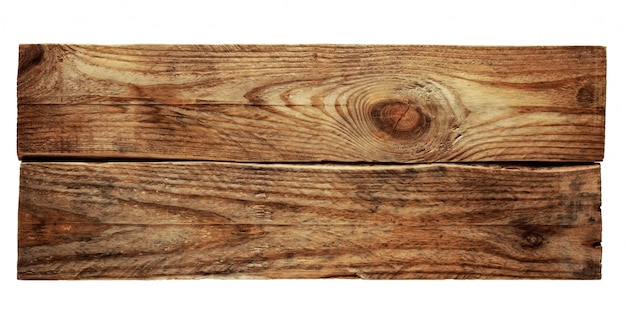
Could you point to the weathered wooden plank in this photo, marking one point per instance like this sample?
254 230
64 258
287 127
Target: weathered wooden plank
80 251
199 219
310 74
218 193
269 133
312 103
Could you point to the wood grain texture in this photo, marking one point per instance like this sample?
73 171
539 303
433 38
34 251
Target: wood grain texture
200 219
312 103
266 116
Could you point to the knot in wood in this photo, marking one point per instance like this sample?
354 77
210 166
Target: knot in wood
414 118
587 96
400 120
532 240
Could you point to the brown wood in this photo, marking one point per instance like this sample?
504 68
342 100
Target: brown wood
312 103
203 219
231 173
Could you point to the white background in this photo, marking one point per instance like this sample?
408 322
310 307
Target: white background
316 301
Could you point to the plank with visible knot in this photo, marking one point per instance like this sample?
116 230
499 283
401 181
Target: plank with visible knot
186 219
312 103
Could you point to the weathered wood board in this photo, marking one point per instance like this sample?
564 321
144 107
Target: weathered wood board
138 220
310 161
312 103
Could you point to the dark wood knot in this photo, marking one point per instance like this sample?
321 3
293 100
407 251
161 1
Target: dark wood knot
587 96
400 120
532 240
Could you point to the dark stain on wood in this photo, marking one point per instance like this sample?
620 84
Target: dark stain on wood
29 56
587 96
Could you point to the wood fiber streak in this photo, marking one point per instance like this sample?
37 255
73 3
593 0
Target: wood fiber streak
195 219
312 103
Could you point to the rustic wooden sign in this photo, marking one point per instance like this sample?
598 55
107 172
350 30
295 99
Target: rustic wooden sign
310 161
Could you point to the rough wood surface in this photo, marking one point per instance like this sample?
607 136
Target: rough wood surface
312 103
201 219
255 108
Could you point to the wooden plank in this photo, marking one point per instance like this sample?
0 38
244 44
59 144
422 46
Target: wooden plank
201 219
308 251
312 103
309 74
267 133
